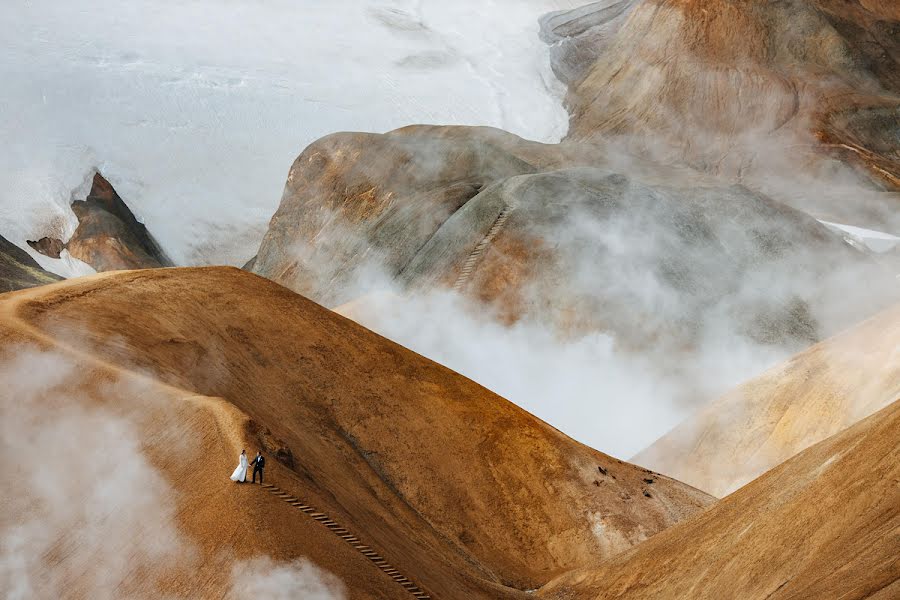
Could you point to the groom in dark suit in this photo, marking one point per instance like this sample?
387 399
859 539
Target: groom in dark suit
259 463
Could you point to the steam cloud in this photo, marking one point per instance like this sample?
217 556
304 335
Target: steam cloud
265 578
83 508
85 512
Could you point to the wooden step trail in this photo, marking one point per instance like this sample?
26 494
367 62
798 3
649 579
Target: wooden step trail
351 539
472 259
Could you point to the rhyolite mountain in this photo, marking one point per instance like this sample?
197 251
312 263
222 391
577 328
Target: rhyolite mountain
462 491
509 224
108 236
823 524
718 80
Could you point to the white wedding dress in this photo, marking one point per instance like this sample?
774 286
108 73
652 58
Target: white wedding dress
240 474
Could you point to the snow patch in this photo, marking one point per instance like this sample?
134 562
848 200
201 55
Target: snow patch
876 241
194 111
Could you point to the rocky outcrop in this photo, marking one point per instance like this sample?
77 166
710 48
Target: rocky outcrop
50 247
108 237
774 416
18 270
822 525
580 36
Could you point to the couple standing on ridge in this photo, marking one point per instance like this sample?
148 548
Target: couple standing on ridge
259 463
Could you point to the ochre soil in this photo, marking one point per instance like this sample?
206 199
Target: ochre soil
463 492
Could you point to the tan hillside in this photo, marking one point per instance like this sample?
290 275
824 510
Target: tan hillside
771 418
455 490
825 524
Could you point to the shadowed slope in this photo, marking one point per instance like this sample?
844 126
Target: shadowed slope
825 524
420 208
455 486
18 270
794 405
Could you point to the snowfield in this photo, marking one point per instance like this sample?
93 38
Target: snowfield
195 110
876 241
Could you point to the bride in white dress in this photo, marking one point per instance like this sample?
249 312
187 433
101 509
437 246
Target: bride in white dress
240 474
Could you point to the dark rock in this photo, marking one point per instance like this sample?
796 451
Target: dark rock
18 270
248 266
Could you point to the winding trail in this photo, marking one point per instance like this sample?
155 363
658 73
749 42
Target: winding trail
472 259
225 414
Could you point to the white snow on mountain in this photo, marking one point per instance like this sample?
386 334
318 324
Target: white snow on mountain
194 110
876 241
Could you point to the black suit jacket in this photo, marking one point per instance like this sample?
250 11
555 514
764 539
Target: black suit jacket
259 461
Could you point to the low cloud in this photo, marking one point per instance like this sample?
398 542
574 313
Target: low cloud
298 579
83 507
86 512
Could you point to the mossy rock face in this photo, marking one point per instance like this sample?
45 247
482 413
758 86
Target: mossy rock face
18 270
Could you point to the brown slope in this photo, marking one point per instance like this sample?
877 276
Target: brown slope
420 208
191 442
359 201
455 486
716 78
765 421
825 524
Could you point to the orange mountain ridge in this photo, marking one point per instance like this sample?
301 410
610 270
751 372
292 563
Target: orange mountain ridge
442 482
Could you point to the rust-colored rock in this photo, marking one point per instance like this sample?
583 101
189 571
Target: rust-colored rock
724 84
109 237
501 221
48 246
